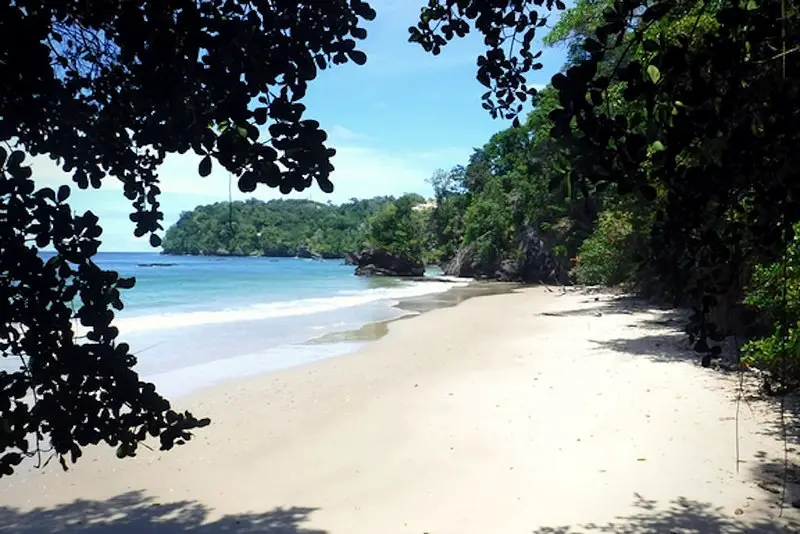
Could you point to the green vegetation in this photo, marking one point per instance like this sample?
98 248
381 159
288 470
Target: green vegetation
275 228
400 229
285 227
775 292
671 136
603 259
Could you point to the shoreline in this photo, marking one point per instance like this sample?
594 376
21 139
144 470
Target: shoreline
414 307
530 411
214 360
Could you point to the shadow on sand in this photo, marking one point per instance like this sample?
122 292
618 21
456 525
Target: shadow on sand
681 516
135 513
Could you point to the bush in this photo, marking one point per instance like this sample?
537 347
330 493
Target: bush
606 256
399 229
774 291
779 357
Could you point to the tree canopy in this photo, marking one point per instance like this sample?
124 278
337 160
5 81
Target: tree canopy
286 227
107 89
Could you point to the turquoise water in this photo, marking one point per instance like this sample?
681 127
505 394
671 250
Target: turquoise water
195 321
190 285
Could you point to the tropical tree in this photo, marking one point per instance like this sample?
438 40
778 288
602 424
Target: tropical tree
399 229
107 89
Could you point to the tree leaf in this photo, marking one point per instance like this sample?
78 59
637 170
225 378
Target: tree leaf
205 166
63 193
358 56
653 73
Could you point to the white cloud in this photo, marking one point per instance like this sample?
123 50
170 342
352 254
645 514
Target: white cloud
339 133
361 171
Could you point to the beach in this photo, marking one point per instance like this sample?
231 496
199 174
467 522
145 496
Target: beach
544 411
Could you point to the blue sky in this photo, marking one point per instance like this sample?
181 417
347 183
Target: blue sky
393 122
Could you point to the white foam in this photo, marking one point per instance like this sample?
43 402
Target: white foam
288 308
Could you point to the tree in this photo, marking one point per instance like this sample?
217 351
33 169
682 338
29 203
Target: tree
685 112
275 228
445 222
108 89
399 229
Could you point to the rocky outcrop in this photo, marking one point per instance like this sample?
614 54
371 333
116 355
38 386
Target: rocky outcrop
351 258
534 262
465 263
538 264
508 271
379 262
305 252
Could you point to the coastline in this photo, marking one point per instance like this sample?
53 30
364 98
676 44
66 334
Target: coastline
415 306
531 411
192 326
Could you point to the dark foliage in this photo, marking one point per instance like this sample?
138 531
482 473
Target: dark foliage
508 28
66 392
714 128
108 89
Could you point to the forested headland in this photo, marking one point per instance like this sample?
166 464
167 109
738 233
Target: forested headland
277 228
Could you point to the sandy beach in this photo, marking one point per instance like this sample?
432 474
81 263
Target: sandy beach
538 411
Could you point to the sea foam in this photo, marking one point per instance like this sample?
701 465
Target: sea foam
288 308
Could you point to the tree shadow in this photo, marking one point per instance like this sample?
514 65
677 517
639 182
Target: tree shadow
599 305
134 513
781 479
664 347
680 516
779 418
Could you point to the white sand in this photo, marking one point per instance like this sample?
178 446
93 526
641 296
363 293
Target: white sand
515 413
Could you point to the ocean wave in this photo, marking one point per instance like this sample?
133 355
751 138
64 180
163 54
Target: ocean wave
279 309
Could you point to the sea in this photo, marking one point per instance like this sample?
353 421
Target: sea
194 321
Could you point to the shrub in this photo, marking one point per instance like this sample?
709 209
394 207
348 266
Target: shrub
605 257
774 291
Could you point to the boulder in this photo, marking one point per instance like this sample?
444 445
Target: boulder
465 263
538 265
379 262
508 271
351 258
305 252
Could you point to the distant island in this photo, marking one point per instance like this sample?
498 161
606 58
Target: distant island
277 228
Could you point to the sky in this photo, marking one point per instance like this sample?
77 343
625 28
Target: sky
393 122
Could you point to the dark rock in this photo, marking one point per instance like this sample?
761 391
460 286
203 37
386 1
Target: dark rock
538 264
305 252
379 262
351 258
508 271
465 263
